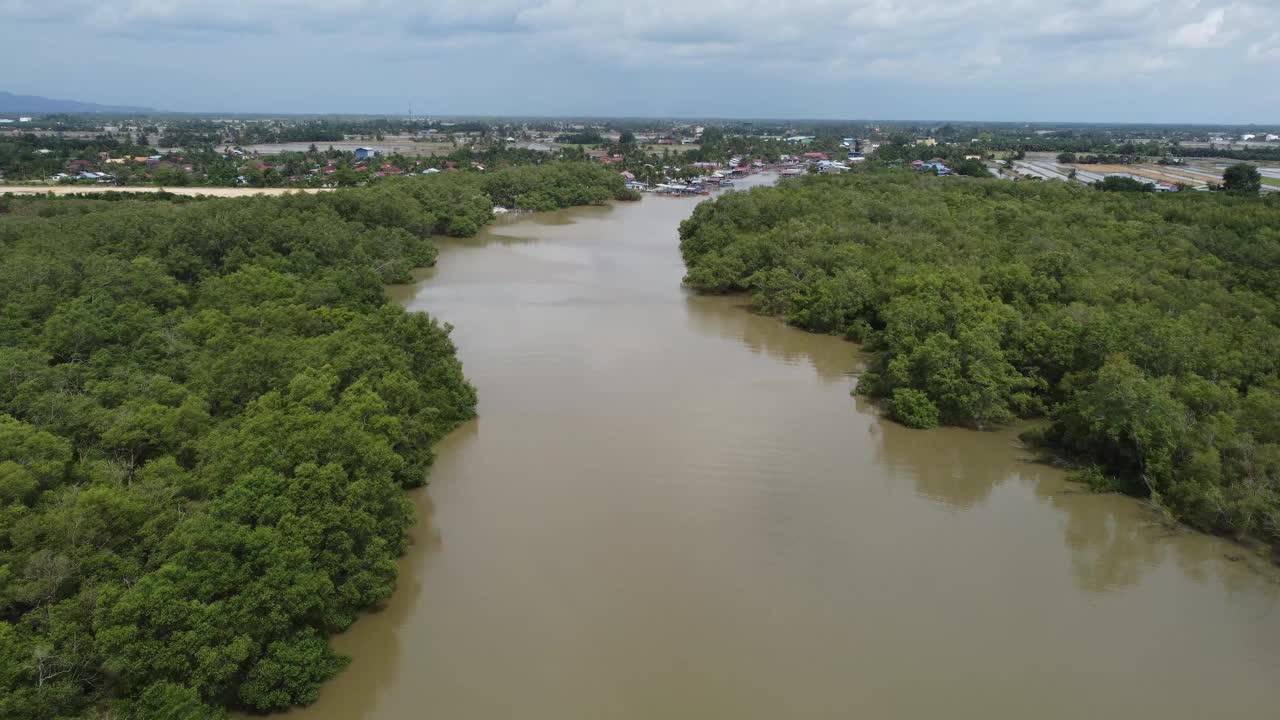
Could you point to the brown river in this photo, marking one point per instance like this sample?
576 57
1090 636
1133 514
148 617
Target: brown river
672 508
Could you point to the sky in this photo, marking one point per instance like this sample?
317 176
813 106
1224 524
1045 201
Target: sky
1170 61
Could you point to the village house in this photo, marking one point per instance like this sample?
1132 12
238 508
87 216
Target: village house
936 165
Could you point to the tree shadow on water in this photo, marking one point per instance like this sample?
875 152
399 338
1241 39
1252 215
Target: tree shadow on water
1114 541
731 318
953 467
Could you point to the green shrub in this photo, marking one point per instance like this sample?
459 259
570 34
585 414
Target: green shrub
913 409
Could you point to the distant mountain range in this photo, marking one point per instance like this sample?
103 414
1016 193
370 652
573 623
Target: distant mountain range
10 103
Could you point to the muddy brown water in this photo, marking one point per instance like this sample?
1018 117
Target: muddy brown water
672 508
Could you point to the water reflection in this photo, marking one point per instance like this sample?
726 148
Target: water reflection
949 466
730 317
1114 541
1113 546
560 217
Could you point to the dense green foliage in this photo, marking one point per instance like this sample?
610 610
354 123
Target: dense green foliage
28 156
1120 183
1145 326
586 137
913 408
1242 179
1252 153
208 411
554 186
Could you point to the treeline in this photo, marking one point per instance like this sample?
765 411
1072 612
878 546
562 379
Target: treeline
554 185
1256 154
208 411
318 130
1145 328
1167 154
1080 144
33 157
1092 159
718 146
585 137
198 132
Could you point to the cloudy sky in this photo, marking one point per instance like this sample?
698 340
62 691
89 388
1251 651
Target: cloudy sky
1084 60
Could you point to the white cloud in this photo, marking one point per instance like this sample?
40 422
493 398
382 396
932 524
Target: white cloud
987 56
1267 50
977 44
1062 23
1206 33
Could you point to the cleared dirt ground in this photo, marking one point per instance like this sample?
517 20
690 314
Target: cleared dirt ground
1145 171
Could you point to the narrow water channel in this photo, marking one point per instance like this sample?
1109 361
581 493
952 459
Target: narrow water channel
672 508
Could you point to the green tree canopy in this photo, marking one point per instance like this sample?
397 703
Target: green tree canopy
208 412
1144 327
1242 179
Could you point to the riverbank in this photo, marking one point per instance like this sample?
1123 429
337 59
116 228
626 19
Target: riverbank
988 301
669 506
258 332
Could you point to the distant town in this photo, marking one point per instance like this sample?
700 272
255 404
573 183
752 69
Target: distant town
671 157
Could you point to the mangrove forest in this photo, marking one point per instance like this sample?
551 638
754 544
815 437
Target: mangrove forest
1143 328
209 410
